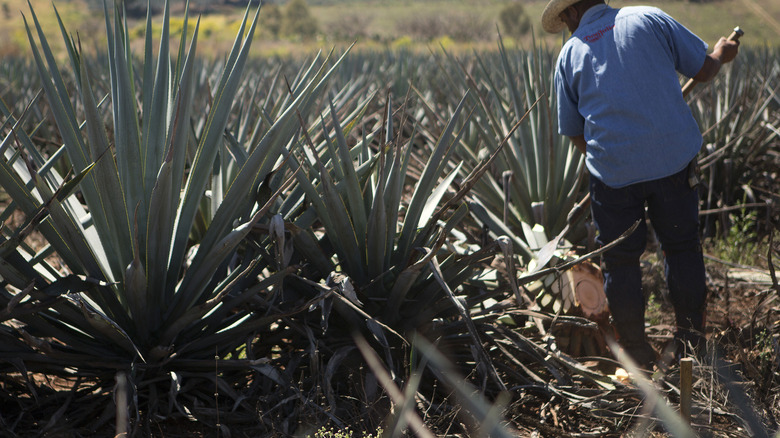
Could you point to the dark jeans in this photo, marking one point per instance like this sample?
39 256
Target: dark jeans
673 210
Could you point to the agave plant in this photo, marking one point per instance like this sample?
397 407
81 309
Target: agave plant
376 236
739 119
135 290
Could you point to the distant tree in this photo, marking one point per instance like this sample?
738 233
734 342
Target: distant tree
139 8
514 21
459 26
298 21
271 20
350 26
425 27
463 26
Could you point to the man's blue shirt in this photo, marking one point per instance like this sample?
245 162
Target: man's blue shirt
617 84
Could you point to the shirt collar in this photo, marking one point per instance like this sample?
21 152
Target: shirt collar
591 14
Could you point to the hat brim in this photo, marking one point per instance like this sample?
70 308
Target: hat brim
551 20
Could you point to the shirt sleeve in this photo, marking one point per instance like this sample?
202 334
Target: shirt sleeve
570 121
687 49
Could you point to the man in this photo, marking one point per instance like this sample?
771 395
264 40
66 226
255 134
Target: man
619 101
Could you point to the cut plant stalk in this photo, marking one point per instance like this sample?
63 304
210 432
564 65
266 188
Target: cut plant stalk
735 35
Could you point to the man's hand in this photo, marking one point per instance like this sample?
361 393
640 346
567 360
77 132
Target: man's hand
725 51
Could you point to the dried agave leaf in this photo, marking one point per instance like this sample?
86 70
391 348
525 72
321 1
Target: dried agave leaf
481 357
330 370
406 401
471 400
344 285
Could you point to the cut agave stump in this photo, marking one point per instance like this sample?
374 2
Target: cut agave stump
581 293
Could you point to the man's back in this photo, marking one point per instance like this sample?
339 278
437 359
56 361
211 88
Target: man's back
617 84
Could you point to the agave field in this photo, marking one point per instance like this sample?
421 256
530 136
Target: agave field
245 246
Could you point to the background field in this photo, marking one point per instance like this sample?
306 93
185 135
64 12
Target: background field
381 24
709 20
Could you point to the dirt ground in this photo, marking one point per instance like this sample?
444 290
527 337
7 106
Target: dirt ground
742 320
742 317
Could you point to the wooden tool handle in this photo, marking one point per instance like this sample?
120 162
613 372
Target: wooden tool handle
578 209
735 35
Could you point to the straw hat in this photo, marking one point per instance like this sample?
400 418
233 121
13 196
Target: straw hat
551 22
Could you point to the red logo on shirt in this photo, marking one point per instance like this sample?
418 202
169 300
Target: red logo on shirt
592 38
